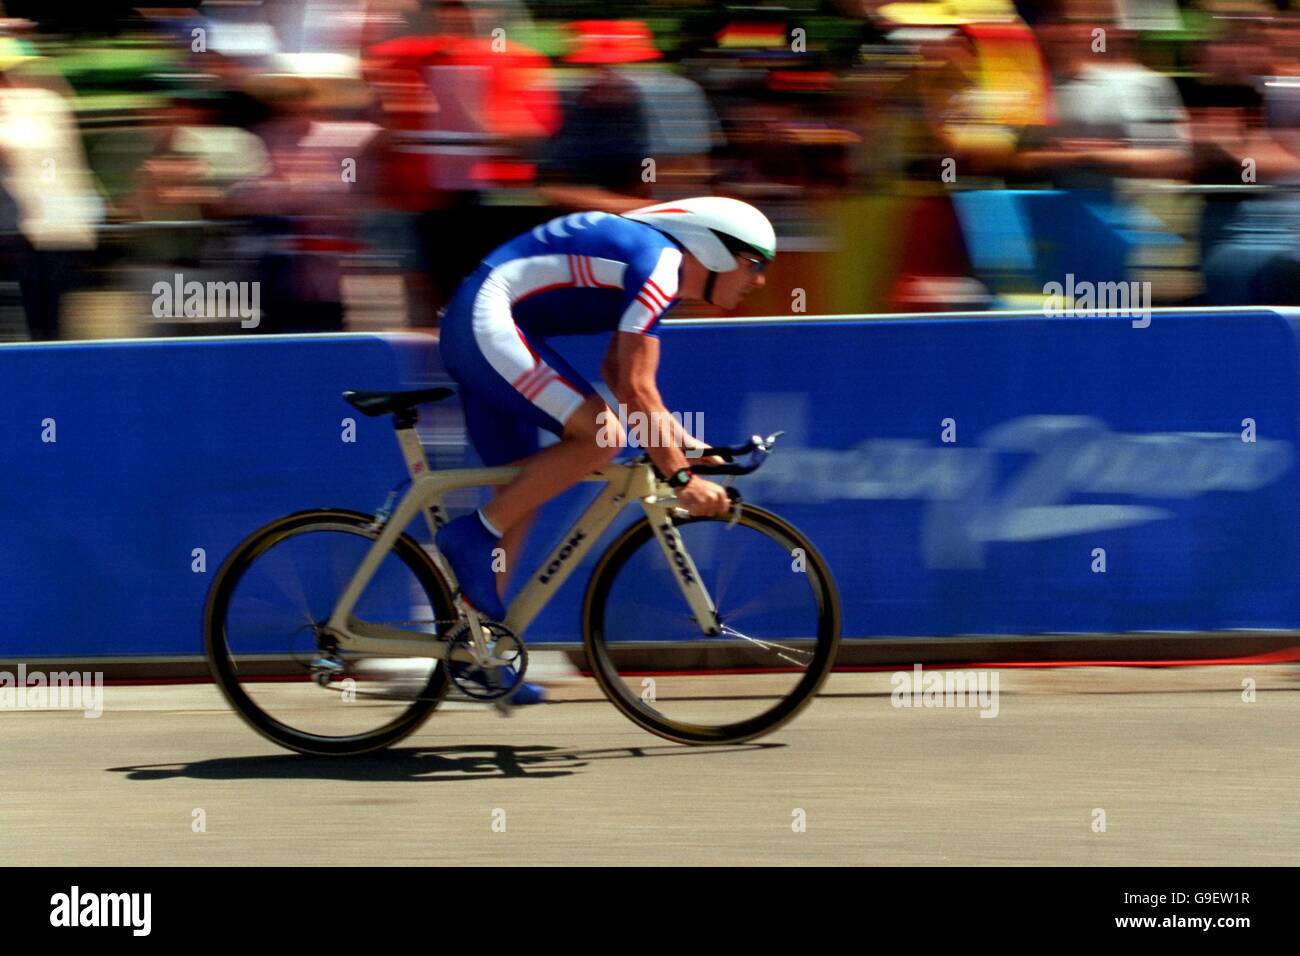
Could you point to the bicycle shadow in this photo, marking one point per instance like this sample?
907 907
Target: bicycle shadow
420 764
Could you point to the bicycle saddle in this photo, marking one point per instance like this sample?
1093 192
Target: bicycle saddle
381 403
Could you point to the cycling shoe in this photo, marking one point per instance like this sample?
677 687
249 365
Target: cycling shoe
468 546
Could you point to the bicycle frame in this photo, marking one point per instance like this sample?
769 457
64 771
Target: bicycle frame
623 483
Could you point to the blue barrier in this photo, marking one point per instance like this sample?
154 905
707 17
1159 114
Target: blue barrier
1071 434
162 448
1073 441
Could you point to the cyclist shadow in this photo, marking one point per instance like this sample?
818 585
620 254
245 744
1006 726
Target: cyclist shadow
420 764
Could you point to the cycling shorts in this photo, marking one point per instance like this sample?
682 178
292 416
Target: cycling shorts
511 384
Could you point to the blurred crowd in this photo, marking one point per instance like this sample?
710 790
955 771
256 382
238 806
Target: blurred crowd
351 160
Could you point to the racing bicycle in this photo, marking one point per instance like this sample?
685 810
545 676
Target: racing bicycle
336 632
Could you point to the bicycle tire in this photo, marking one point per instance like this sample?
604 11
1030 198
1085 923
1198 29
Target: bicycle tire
222 666
632 706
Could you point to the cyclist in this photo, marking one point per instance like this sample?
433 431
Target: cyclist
588 273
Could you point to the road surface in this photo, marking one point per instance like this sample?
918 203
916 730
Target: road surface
1079 766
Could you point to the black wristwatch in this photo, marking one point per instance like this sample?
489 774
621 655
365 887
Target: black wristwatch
681 478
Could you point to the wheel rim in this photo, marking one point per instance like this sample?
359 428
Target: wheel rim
779 619
268 645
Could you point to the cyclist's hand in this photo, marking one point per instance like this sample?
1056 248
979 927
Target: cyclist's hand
693 446
705 460
703 498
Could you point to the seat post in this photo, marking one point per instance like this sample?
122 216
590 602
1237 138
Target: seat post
409 441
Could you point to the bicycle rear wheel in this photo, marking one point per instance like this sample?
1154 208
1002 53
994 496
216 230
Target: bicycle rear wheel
777 605
269 655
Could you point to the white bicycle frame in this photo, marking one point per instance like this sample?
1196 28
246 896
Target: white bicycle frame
623 483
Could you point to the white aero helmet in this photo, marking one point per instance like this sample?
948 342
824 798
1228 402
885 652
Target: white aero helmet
711 228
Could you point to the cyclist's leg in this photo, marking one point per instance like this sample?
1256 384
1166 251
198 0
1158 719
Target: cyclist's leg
512 540
544 475
502 439
588 432
558 467
504 418
513 386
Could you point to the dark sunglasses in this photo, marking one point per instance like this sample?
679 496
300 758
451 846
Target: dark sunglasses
756 266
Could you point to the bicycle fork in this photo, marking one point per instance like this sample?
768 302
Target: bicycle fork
660 516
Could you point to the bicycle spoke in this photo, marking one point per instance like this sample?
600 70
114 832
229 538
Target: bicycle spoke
727 567
739 612
772 649
300 690
288 584
793 655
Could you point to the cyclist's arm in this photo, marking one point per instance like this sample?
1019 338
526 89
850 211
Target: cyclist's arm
609 371
629 369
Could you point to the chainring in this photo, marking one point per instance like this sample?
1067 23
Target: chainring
493 682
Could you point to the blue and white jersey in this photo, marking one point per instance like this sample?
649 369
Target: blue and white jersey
590 273
586 273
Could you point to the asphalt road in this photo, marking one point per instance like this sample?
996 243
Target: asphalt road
1080 766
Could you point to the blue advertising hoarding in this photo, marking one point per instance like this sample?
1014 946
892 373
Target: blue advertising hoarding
982 474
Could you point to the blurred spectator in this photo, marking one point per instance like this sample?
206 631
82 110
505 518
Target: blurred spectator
305 209
598 158
1244 131
47 184
456 109
890 142
1226 105
632 132
1114 117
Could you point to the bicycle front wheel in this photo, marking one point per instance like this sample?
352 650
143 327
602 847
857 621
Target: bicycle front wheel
269 654
777 606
